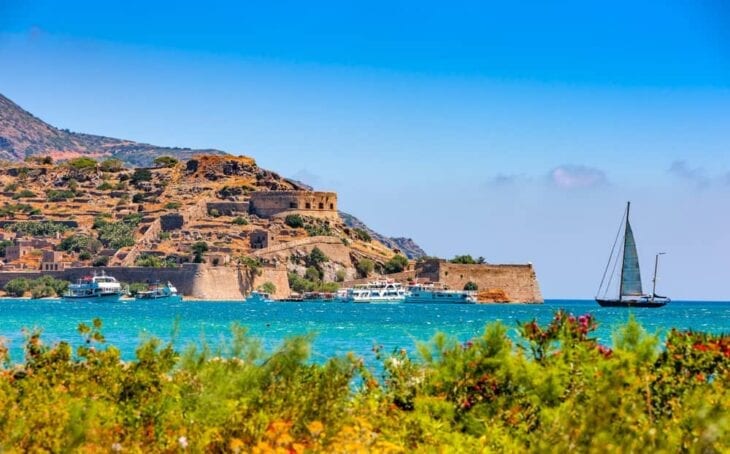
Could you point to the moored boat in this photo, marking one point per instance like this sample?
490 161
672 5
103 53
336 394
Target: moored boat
435 293
156 291
630 292
382 291
259 297
101 288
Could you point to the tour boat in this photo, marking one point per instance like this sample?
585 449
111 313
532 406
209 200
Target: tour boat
156 291
95 288
438 294
383 291
630 293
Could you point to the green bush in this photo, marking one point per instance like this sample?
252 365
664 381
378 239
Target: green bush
42 287
173 205
4 244
102 260
365 267
82 163
24 194
165 161
464 259
340 276
294 221
362 235
80 243
85 255
141 175
111 165
152 261
32 228
59 195
116 235
268 287
239 220
17 287
396 264
11 187
199 248
471 287
489 394
214 212
105 186
316 258
136 287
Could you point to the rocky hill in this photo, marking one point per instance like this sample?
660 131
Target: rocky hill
224 211
407 246
23 135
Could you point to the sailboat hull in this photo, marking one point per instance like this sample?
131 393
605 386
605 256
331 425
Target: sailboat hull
633 303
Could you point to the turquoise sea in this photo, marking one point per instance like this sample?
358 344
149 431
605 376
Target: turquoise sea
339 328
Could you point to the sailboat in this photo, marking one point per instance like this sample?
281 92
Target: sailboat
630 289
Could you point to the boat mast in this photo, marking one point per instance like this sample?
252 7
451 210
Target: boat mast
623 253
656 266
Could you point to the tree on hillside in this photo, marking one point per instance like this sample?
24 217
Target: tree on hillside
464 260
396 264
199 249
365 267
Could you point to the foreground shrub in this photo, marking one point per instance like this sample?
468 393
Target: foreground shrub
554 389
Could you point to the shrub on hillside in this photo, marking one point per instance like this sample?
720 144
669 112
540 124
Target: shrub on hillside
24 194
396 264
294 221
362 235
364 267
111 165
140 175
267 287
165 161
33 228
82 163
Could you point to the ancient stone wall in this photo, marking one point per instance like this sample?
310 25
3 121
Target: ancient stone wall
267 204
515 283
192 280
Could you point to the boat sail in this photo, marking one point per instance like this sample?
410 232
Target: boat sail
630 292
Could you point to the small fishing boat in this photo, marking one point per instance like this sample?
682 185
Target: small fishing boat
436 293
259 297
156 291
630 292
97 288
381 291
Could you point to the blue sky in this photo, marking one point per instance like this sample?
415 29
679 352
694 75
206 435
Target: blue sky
515 132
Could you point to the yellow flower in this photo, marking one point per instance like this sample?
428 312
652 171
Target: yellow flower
315 428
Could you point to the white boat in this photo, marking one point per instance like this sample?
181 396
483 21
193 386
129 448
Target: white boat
438 294
383 291
95 288
259 297
157 291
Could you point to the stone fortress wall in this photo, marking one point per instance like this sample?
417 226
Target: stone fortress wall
267 204
193 280
500 283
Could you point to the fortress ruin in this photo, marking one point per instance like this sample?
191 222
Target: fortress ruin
267 204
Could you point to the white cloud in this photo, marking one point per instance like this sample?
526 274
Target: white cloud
694 175
577 177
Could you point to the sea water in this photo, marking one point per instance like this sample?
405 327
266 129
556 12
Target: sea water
338 328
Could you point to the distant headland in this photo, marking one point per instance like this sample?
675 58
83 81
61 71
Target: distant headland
216 225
